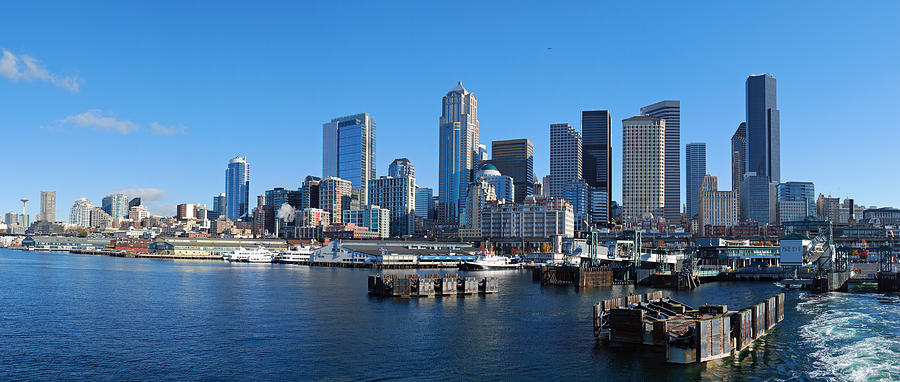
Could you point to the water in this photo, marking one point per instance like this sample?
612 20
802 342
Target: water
93 317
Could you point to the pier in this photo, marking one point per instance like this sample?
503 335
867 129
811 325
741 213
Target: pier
688 335
581 277
430 285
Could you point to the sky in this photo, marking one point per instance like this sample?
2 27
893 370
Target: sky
154 98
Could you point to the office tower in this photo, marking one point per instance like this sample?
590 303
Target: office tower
695 170
458 151
545 185
184 211
48 206
515 158
565 157
375 218
237 188
116 205
504 186
401 168
599 207
716 208
80 214
334 197
828 208
578 194
763 128
424 202
758 199
219 204
670 111
276 197
802 192
134 202
480 192
482 154
398 196
11 219
348 151
100 219
309 192
643 167
596 144
738 156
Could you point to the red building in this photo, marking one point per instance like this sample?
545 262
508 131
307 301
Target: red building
132 245
746 229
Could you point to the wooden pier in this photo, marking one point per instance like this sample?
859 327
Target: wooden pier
581 277
688 335
430 285
888 282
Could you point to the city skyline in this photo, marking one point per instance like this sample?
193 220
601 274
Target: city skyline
79 102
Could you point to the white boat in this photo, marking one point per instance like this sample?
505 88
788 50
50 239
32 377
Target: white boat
296 256
487 262
258 255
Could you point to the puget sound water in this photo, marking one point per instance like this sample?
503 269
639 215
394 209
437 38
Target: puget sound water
66 316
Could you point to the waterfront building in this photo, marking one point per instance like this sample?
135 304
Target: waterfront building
209 247
334 197
695 171
536 218
348 151
763 128
596 150
48 206
565 157
424 202
309 192
100 219
799 192
643 167
80 214
716 208
515 158
116 205
670 111
401 168
884 215
738 157
757 198
312 217
219 204
375 218
65 243
237 188
578 194
458 151
398 196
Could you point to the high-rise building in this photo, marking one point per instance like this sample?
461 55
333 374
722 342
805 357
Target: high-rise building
398 196
401 168
643 167
116 205
828 208
313 217
424 202
695 170
134 202
599 207
48 206
596 144
738 156
309 192
578 194
480 192
458 151
11 219
138 213
671 112
219 203
100 219
763 128
348 151
80 215
758 199
565 157
716 208
504 186
375 218
184 211
237 188
804 192
515 158
334 197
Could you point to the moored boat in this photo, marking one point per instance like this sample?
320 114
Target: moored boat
488 262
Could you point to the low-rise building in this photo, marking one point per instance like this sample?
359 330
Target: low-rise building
208 247
536 217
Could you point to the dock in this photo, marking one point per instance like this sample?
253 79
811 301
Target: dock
566 275
688 335
430 285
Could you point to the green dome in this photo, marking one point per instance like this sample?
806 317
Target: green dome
488 166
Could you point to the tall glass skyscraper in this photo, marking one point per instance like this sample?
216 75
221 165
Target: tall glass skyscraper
116 205
738 156
457 153
694 171
596 150
348 151
401 168
515 158
565 157
237 188
671 112
763 128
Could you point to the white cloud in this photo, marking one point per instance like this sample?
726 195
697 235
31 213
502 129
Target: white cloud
159 129
95 119
29 69
147 195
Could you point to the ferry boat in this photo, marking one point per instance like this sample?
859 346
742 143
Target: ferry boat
296 256
489 262
258 255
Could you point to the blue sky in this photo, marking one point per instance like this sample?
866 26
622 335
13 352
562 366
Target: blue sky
156 97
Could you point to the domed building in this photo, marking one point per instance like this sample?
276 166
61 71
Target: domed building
503 185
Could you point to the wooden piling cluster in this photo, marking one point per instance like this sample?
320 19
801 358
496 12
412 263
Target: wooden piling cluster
888 282
581 277
430 285
688 335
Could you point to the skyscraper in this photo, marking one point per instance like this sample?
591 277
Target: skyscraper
397 195
48 206
565 157
763 128
424 203
116 205
219 204
457 151
80 215
309 192
738 156
237 188
401 168
799 192
716 208
596 133
694 171
643 166
515 158
334 197
671 112
348 151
